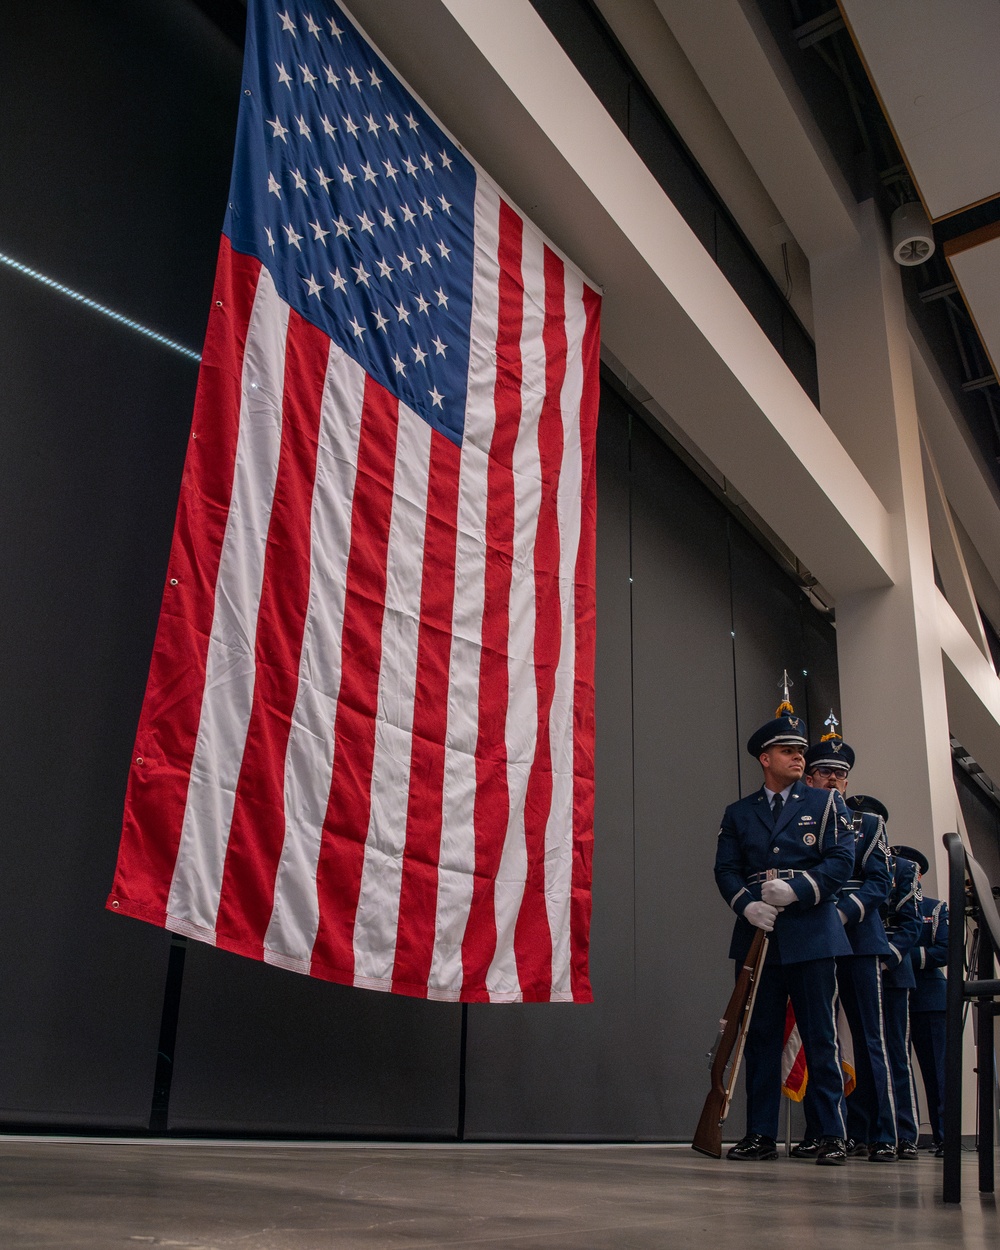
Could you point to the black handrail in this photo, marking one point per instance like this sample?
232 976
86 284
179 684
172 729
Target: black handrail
952 1190
969 897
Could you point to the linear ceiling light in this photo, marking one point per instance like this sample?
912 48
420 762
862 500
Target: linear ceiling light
101 308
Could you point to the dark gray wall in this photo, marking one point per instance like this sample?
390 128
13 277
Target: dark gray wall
114 182
695 624
113 174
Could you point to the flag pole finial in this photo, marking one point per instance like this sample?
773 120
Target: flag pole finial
785 706
831 724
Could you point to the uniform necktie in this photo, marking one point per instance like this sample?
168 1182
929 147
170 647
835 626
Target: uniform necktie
777 804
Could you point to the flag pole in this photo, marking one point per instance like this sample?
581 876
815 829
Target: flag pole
788 1128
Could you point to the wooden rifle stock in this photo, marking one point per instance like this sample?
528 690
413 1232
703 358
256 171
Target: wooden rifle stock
729 1044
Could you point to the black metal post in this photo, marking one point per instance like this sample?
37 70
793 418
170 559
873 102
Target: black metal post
160 1109
952 1191
986 1068
462 1049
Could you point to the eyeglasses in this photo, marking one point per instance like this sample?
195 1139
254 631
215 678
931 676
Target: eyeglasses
824 771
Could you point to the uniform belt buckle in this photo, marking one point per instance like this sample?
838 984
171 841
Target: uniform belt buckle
771 874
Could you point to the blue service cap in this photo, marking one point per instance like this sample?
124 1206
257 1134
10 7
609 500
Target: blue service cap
865 803
782 731
832 751
911 852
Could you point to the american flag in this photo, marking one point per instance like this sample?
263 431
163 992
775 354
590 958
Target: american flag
366 751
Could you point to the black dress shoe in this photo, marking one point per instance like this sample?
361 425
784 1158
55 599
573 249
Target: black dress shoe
808 1148
881 1152
753 1147
907 1150
832 1150
855 1148
939 1153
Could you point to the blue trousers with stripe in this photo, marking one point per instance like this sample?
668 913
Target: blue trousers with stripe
897 1036
871 1108
871 1111
812 987
927 1033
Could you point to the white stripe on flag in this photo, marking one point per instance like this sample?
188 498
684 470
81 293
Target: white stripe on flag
522 707
378 902
559 830
309 759
457 859
193 902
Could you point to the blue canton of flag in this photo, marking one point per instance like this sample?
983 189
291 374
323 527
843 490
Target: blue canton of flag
358 204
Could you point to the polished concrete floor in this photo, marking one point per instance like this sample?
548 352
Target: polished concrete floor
106 1195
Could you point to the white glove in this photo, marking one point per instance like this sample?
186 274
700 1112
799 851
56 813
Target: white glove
777 893
761 915
843 918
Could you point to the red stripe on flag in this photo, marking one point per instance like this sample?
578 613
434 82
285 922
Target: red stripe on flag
345 828
532 938
418 888
585 619
257 831
171 710
492 802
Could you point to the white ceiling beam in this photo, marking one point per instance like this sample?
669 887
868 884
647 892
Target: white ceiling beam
500 81
972 689
735 56
968 483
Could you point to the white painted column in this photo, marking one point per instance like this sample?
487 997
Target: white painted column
893 708
892 681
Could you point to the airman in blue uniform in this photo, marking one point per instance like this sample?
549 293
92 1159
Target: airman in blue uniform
928 998
783 855
871 1111
903 926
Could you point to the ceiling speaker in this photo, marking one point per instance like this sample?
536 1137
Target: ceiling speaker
912 235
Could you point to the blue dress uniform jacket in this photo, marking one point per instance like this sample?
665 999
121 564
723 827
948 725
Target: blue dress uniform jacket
863 896
929 958
811 846
903 924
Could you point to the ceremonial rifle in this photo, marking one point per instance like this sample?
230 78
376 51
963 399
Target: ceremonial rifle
729 1046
